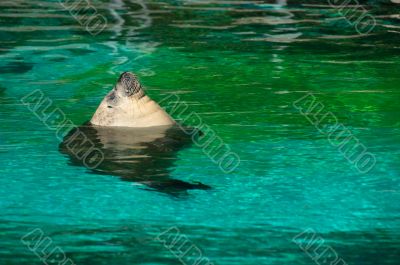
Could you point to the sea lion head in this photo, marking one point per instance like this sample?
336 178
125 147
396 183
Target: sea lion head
127 105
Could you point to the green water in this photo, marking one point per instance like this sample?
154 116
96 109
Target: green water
239 65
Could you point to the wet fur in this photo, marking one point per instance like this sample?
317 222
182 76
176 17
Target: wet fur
127 105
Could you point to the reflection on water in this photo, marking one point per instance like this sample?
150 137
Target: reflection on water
240 65
142 155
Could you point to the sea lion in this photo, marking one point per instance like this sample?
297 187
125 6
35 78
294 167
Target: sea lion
126 105
131 148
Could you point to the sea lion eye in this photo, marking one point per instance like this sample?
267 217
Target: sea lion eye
111 99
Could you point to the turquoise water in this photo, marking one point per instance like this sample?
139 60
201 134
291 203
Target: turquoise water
239 65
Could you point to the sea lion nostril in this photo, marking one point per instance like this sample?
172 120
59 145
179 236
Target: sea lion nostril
126 77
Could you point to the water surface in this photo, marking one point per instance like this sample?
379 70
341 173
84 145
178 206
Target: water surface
240 65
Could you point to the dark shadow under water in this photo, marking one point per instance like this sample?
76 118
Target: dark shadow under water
141 155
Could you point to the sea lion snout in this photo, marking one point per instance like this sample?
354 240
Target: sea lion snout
129 84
